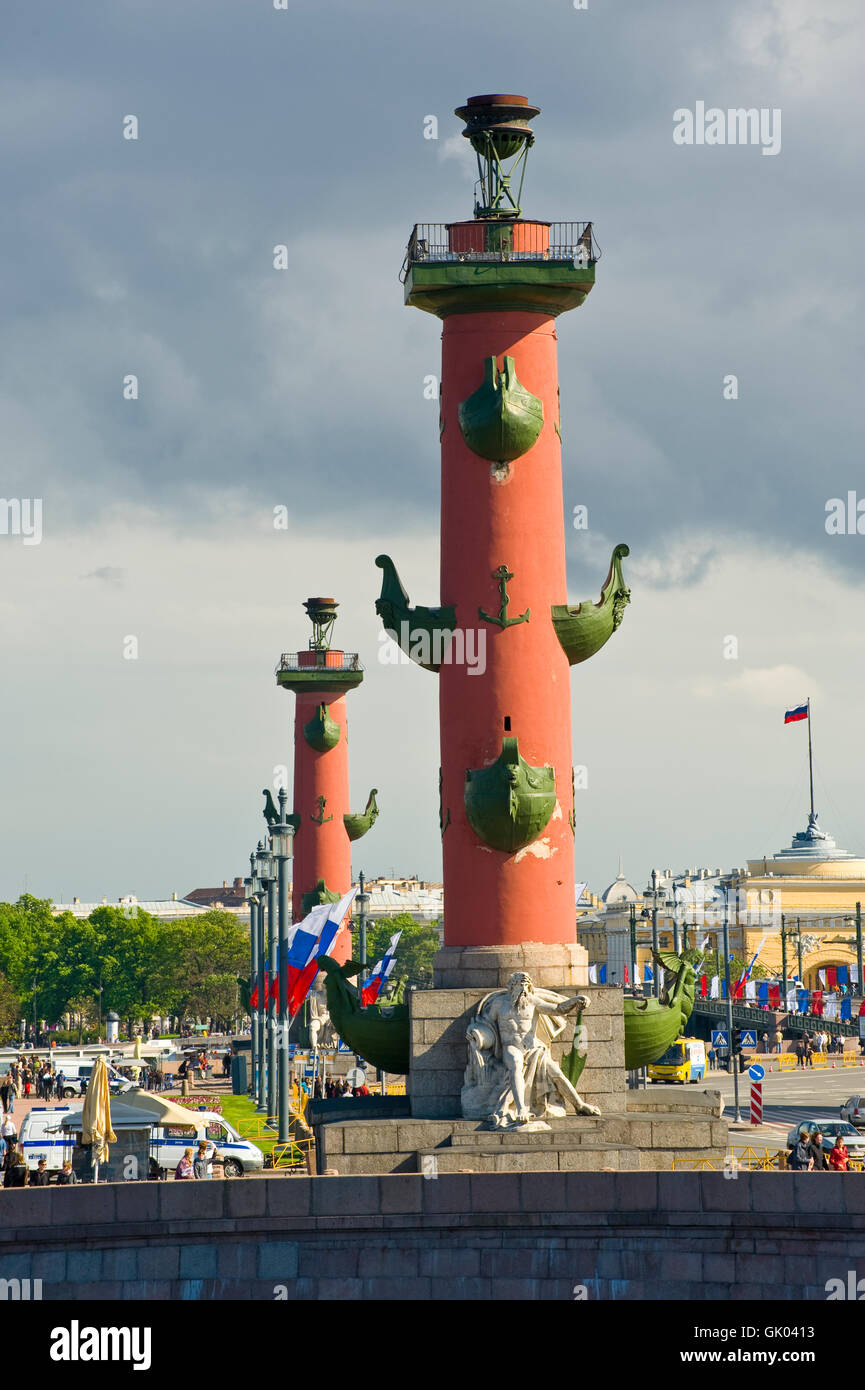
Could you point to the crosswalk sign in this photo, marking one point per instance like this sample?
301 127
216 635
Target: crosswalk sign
747 1037
719 1038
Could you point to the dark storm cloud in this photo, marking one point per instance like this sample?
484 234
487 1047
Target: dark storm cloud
258 127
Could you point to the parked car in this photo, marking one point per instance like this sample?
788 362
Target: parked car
853 1111
854 1141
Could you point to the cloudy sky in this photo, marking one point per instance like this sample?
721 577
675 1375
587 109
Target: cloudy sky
304 388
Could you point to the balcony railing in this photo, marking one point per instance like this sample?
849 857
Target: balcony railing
319 661
443 243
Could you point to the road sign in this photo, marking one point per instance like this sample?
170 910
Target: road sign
355 1077
756 1072
719 1038
747 1037
756 1102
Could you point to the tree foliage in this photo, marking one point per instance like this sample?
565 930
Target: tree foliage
142 966
414 953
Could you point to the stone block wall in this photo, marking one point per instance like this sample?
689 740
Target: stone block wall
489 1237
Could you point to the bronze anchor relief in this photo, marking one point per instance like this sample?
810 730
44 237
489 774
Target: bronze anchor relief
503 574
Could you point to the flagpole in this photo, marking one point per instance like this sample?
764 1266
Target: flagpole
810 760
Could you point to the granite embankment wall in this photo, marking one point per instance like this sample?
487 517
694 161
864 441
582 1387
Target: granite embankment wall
489 1236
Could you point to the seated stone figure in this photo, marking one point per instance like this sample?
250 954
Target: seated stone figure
511 1078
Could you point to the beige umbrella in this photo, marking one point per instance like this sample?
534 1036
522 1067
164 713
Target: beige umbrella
96 1116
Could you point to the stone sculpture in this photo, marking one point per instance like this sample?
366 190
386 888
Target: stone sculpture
321 1031
511 1078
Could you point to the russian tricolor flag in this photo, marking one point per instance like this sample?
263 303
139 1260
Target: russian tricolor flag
798 712
311 938
380 972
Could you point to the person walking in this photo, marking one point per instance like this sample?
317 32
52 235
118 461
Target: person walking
201 1163
839 1156
5 1091
41 1177
185 1168
16 1169
818 1153
799 1156
10 1134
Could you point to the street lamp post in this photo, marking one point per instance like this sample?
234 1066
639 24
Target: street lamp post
734 1060
281 843
362 901
799 950
656 970
268 879
261 897
249 895
860 983
783 961
633 926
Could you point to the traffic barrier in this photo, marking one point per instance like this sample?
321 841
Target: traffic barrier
788 1061
756 1102
820 1061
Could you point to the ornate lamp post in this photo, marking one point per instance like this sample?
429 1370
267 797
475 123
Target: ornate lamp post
250 891
260 887
281 844
267 874
362 903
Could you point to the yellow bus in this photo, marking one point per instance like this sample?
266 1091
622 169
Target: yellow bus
684 1060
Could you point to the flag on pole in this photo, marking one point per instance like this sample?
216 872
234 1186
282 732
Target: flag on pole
763 993
802 997
593 974
775 996
750 990
792 1000
846 1009
831 976
817 1002
822 977
380 972
637 978
843 975
854 974
798 712
602 975
309 939
704 986
830 1007
715 987
649 975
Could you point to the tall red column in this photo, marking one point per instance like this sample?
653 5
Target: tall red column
321 678
488 520
507 811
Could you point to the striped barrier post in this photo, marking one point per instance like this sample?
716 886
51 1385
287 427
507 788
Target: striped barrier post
756 1102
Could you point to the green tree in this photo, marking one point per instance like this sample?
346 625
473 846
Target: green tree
414 953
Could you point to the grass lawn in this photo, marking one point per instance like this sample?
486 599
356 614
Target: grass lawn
237 1109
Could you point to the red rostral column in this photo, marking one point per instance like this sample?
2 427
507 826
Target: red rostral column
507 809
321 678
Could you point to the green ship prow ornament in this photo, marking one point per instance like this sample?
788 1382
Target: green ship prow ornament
379 1033
509 803
652 1025
501 420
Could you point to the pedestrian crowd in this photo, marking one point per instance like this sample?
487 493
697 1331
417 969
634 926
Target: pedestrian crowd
807 1154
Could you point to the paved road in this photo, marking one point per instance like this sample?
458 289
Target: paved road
788 1098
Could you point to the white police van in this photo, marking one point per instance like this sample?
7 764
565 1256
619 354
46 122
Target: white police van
49 1132
76 1076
